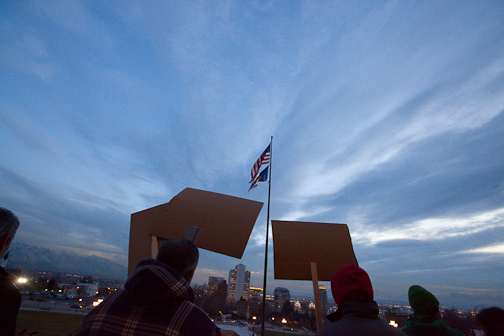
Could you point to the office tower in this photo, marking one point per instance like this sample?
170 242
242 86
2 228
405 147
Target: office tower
239 284
323 299
216 294
213 284
255 294
281 295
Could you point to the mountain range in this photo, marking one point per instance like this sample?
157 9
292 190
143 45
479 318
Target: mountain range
32 258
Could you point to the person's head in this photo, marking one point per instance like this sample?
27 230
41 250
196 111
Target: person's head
9 224
181 255
422 301
351 283
491 321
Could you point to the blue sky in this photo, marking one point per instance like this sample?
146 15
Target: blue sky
386 116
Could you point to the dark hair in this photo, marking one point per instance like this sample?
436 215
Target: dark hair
180 254
492 321
9 223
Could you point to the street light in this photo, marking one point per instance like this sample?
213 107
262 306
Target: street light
284 321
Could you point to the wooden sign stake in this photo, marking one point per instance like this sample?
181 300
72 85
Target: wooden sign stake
316 292
154 247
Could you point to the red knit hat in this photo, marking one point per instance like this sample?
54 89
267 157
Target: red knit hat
351 283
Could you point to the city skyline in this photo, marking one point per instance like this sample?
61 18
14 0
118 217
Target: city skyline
387 116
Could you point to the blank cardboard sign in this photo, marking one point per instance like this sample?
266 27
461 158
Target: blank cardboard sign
215 222
297 244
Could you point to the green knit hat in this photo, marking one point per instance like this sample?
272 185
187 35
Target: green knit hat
421 299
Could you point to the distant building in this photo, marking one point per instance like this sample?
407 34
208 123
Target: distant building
281 294
85 289
255 294
213 284
216 295
239 284
323 299
324 303
69 289
302 305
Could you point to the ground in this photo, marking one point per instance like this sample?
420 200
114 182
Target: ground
57 324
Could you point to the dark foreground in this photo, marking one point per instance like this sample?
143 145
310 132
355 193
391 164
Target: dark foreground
48 324
57 324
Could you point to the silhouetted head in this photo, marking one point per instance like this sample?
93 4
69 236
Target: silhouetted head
422 301
9 224
351 283
491 320
180 254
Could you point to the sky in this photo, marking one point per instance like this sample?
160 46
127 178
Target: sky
386 116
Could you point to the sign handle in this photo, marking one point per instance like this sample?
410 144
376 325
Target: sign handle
316 292
154 247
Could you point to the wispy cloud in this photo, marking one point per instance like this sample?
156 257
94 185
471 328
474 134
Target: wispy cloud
434 228
491 249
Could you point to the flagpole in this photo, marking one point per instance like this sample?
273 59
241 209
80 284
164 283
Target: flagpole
263 319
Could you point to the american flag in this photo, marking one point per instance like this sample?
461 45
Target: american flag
263 159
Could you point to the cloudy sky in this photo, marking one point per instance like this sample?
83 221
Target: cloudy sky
386 116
